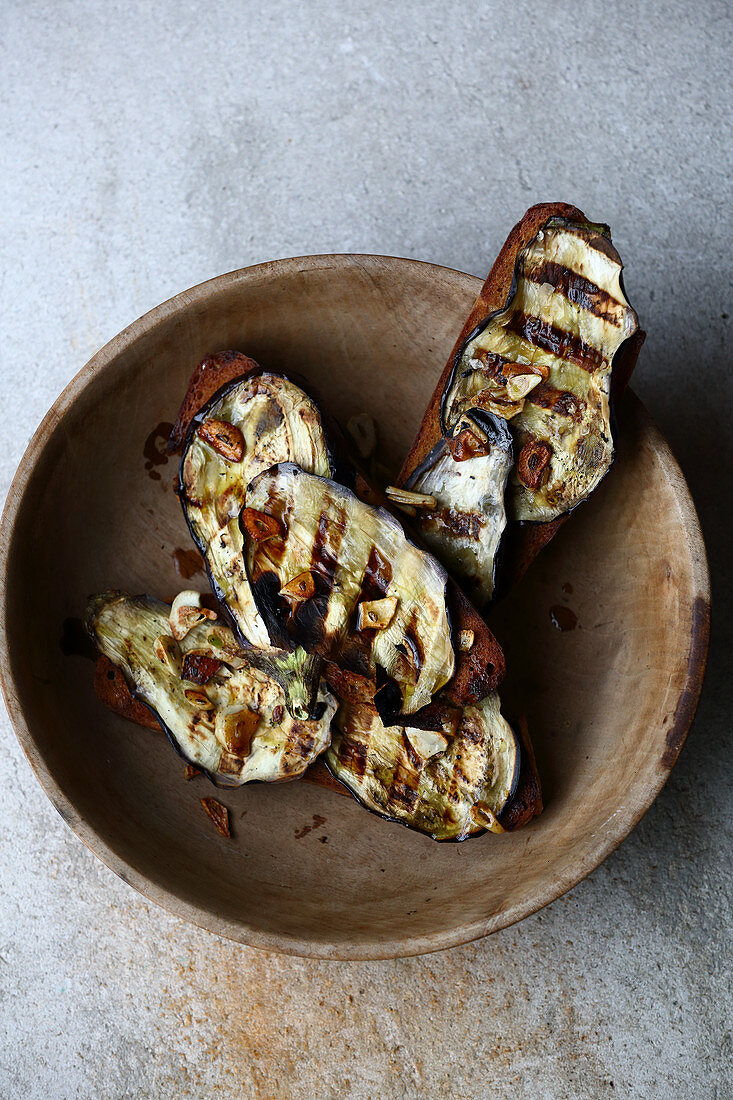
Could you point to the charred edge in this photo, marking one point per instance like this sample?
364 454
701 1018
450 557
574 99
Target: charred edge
493 427
687 704
563 345
273 608
563 402
576 288
388 699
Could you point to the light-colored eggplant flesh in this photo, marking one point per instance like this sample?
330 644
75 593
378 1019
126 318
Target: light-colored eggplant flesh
237 726
353 554
465 527
278 423
448 787
567 318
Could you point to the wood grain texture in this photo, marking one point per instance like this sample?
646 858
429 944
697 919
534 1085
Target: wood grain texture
608 703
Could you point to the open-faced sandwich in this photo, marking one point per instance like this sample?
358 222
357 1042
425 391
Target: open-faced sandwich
335 646
520 429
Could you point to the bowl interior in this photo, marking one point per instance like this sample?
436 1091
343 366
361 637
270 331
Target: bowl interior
307 870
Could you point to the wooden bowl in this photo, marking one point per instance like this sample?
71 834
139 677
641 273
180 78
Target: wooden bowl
309 872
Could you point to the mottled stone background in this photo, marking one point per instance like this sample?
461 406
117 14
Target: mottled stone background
146 147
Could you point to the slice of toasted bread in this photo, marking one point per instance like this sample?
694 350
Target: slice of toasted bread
522 541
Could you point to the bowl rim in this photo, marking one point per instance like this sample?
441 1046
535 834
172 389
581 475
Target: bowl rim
241 931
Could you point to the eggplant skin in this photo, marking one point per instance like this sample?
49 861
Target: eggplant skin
450 785
465 527
278 422
237 727
352 554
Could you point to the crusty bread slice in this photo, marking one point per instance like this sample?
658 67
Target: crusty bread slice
522 542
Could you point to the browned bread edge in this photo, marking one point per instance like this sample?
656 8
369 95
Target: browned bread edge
213 372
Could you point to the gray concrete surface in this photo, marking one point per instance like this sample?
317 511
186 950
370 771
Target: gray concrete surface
146 147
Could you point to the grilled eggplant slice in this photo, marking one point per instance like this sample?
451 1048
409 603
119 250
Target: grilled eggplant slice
448 787
332 556
222 709
247 426
562 327
537 353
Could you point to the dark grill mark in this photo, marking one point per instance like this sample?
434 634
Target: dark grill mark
324 558
577 289
377 576
402 792
410 753
412 639
602 244
274 609
270 420
491 363
559 401
303 745
564 345
306 619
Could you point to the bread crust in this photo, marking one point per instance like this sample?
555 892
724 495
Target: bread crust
522 541
111 688
213 372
